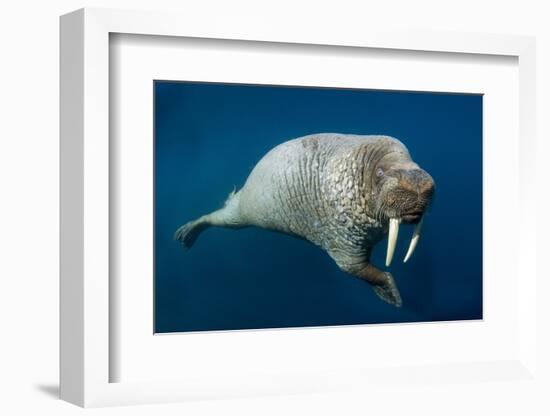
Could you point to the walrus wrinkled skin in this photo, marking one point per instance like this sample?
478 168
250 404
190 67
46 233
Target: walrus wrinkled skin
341 192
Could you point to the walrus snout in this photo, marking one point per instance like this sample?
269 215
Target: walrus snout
416 181
406 201
410 195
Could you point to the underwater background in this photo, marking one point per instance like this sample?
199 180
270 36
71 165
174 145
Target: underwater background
209 136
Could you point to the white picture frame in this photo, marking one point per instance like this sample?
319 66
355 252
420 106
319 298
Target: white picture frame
85 217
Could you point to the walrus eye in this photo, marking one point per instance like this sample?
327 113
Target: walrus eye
379 172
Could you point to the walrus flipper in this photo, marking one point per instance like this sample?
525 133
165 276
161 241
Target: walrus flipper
388 291
382 283
228 216
188 233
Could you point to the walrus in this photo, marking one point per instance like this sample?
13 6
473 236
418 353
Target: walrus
341 192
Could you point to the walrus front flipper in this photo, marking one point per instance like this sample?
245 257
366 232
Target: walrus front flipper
382 283
388 291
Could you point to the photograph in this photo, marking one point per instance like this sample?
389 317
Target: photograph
280 206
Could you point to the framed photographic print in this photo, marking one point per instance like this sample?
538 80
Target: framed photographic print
283 211
338 191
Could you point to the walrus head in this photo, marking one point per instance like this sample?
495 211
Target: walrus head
403 192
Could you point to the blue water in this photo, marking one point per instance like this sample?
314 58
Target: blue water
208 137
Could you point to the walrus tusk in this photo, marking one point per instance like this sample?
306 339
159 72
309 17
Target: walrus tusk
414 240
392 239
